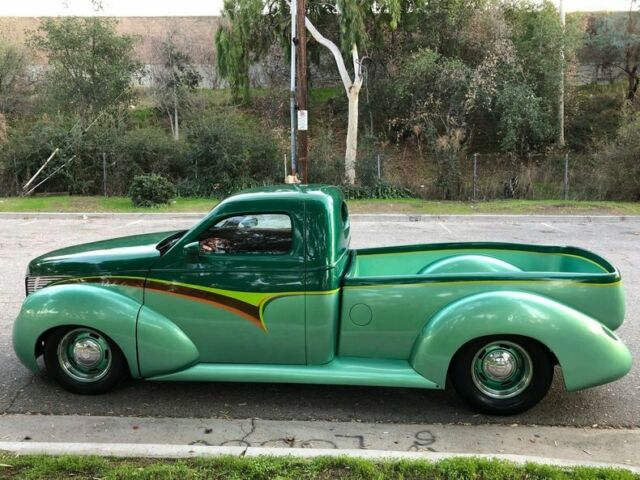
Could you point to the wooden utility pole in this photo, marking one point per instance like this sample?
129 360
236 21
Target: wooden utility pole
301 91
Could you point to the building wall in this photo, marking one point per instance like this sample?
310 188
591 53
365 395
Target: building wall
195 35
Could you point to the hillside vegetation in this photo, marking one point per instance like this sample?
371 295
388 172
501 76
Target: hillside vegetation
484 85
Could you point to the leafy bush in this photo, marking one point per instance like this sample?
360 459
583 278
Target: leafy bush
227 153
152 150
620 167
380 190
151 190
594 113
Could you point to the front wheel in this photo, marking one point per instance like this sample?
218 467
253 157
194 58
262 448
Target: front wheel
84 360
502 375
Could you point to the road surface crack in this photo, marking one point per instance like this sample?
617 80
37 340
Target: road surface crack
251 432
17 394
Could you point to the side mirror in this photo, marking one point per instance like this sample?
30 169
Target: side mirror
192 249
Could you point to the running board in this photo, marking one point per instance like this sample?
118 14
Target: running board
340 371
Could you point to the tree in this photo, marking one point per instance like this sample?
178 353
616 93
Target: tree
357 20
90 66
174 79
495 96
427 100
242 40
615 39
13 73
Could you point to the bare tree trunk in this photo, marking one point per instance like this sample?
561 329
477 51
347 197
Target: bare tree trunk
633 81
176 131
352 137
352 88
173 130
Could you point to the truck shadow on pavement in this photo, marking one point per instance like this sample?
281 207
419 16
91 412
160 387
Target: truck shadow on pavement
306 402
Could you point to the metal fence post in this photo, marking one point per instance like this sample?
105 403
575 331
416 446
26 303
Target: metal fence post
104 173
475 176
565 184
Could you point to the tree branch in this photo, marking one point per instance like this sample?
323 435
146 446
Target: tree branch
625 70
333 48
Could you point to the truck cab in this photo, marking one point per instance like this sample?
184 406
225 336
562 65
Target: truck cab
270 263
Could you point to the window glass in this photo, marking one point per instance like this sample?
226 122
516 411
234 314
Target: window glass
264 233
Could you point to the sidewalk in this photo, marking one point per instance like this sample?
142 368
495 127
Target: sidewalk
188 437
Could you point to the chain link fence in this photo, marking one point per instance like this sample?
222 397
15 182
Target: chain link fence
478 177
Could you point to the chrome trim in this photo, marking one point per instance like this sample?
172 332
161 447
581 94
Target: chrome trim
33 283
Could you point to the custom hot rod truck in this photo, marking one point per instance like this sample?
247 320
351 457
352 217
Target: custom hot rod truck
266 289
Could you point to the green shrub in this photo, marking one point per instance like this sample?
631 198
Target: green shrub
620 169
151 191
380 190
227 153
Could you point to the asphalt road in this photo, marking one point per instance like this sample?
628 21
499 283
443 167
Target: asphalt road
616 404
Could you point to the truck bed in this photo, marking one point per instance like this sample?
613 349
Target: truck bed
401 288
505 260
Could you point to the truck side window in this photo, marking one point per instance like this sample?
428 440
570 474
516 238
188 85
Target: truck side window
264 233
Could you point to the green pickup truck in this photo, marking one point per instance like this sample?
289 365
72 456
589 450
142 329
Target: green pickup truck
266 289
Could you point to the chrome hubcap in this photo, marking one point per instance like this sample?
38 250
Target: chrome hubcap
87 352
84 355
502 369
499 364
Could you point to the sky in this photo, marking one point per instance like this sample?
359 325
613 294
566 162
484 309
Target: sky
155 8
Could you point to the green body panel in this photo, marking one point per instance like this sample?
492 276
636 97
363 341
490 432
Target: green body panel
323 313
126 255
341 371
162 346
321 326
222 336
109 310
468 264
218 332
569 334
399 312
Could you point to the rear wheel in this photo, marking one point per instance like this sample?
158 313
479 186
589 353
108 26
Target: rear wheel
502 375
84 360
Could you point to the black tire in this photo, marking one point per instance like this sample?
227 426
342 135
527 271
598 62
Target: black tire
496 396
62 369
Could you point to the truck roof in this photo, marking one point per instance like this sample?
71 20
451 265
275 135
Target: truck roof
286 190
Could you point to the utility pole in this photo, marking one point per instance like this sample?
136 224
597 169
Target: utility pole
301 91
292 91
561 141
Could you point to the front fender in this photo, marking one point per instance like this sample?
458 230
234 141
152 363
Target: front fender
588 352
105 310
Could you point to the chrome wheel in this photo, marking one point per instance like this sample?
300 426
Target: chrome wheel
84 355
502 369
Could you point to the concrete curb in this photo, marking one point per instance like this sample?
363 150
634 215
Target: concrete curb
98 215
382 217
357 217
189 451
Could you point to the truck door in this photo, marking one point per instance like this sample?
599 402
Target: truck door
236 288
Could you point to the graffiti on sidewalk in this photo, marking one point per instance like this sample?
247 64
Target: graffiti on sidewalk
422 440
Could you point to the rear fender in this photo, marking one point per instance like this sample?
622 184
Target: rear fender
588 352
